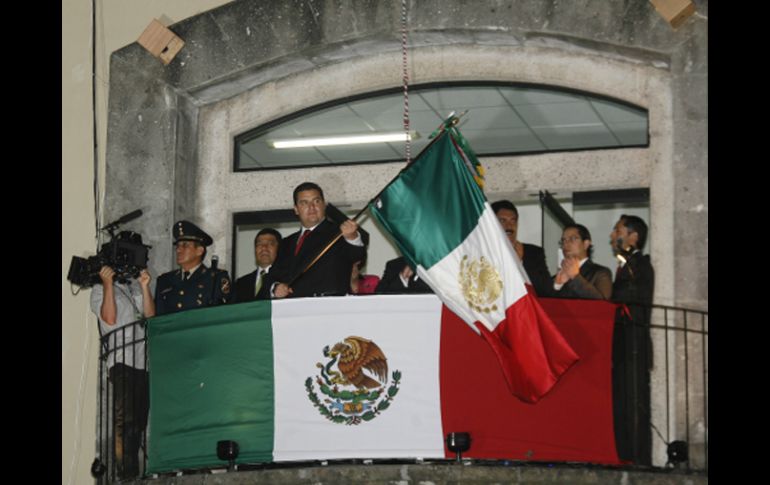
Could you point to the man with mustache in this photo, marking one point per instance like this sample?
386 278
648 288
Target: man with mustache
252 286
532 257
193 285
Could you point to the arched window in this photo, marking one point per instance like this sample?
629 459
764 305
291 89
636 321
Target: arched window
501 119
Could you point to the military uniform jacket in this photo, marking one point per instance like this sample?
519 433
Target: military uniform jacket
204 288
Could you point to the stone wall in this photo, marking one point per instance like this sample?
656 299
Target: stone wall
171 127
438 474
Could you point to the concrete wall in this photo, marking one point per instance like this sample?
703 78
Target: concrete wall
117 23
438 474
247 63
79 334
223 191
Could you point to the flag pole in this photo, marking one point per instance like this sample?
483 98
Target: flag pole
451 120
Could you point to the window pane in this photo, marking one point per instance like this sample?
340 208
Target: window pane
500 120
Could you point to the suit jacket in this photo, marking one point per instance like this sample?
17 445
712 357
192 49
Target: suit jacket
635 283
594 282
537 270
391 281
244 287
632 359
204 288
329 276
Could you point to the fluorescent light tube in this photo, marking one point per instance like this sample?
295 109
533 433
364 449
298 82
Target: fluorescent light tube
341 140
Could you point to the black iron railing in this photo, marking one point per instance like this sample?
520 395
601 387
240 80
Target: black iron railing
683 333
123 400
677 400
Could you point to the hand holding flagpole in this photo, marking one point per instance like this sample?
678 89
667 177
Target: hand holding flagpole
450 121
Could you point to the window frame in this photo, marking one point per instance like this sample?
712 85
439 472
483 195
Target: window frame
260 130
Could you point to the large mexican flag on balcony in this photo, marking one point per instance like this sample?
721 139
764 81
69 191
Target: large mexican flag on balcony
381 376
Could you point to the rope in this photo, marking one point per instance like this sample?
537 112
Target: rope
406 82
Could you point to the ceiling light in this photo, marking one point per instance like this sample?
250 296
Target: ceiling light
343 140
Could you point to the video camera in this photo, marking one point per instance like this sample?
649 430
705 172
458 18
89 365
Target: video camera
124 253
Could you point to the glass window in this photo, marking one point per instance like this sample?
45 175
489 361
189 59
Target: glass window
501 119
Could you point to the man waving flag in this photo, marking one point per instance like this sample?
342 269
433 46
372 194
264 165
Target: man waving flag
446 229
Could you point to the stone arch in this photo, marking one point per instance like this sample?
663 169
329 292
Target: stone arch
220 191
170 140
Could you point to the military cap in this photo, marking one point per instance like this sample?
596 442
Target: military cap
187 231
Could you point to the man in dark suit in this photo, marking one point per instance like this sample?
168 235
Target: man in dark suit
532 257
252 286
193 285
400 278
579 277
331 273
632 345
635 278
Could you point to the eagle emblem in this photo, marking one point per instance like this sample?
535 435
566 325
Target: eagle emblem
355 391
480 283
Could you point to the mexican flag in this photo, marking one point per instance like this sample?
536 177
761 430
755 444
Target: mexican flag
380 376
281 377
444 226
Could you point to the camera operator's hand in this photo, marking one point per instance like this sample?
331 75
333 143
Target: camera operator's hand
144 279
108 311
106 274
148 304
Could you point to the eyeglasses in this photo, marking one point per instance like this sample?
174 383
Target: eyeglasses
568 239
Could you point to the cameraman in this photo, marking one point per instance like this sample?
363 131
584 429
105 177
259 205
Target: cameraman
117 304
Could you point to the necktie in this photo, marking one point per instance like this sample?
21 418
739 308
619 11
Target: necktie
301 240
260 278
185 276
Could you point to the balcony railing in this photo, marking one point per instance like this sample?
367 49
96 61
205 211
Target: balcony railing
677 400
680 383
123 401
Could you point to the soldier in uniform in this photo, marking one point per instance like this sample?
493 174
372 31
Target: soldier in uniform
193 285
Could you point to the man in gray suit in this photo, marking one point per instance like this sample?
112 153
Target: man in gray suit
579 277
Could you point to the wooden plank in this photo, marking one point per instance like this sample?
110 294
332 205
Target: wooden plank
160 42
674 11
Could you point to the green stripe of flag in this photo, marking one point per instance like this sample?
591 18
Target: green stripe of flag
432 206
208 384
